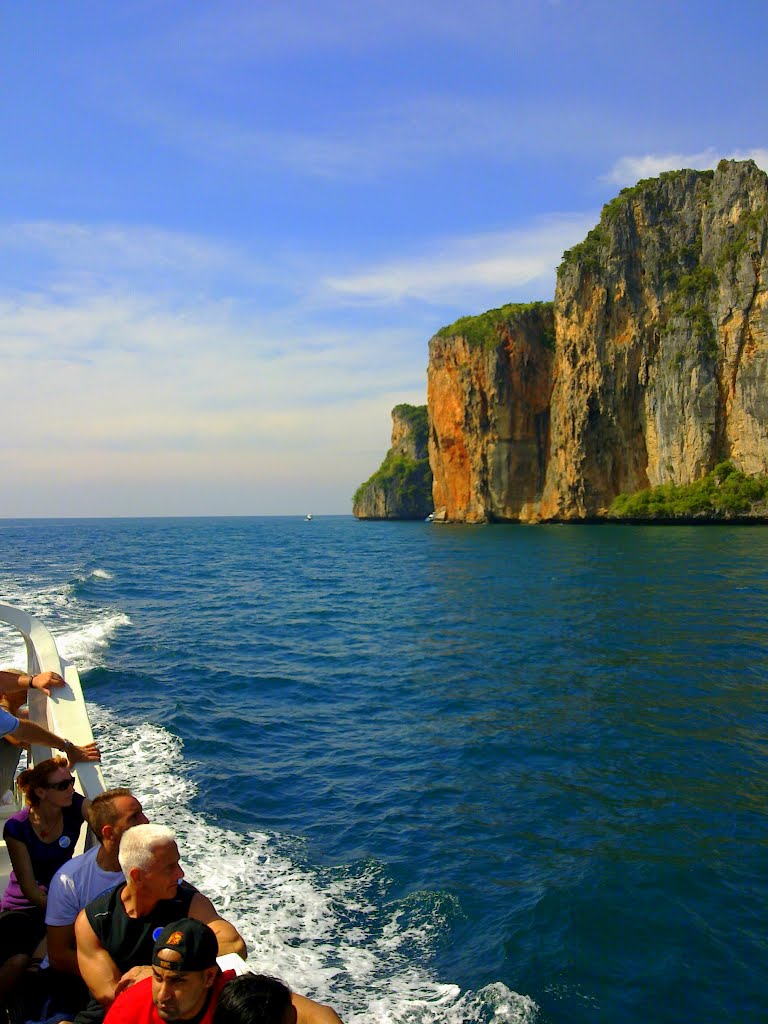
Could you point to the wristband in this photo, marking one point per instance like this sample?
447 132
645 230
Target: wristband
30 685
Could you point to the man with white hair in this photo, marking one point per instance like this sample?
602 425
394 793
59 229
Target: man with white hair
115 933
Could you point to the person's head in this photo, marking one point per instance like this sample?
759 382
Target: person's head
149 858
183 968
12 702
254 999
112 813
48 782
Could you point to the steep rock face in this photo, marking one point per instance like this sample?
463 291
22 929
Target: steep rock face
659 369
402 487
488 385
662 347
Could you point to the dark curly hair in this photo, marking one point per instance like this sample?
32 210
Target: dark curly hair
36 778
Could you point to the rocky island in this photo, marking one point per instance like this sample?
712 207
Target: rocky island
402 486
649 369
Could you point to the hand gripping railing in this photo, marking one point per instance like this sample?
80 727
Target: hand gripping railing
63 713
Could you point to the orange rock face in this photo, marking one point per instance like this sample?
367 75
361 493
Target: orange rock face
489 419
651 366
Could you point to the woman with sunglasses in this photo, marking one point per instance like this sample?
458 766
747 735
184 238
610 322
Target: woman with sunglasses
42 836
40 839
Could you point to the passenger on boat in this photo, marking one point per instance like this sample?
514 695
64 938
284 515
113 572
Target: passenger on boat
14 692
31 732
259 999
39 838
185 981
114 933
10 747
11 681
84 878
59 988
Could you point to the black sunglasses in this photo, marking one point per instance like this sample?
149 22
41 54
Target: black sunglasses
61 786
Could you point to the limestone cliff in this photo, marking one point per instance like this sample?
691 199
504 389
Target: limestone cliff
662 340
656 368
489 384
402 486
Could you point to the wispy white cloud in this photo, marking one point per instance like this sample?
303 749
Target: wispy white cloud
629 169
368 139
462 269
136 250
195 396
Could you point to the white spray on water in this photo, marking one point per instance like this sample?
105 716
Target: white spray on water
323 930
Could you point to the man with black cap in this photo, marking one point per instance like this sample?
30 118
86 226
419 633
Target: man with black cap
116 931
185 982
187 985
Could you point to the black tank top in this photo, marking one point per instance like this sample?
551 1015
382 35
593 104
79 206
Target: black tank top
130 940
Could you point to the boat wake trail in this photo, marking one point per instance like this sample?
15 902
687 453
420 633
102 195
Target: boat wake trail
331 933
82 633
85 644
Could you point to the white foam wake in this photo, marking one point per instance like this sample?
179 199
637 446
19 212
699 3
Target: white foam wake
329 932
321 930
82 633
85 644
101 574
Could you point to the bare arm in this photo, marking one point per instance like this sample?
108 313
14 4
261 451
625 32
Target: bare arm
310 1012
11 704
25 875
62 951
230 940
97 968
11 681
31 732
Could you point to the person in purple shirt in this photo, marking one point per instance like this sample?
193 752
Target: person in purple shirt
40 838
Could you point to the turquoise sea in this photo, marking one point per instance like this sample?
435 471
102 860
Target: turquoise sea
460 774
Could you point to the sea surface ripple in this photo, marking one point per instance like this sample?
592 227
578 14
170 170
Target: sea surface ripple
488 774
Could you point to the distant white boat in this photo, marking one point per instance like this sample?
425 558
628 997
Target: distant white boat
430 517
308 517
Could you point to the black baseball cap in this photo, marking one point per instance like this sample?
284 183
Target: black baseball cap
194 940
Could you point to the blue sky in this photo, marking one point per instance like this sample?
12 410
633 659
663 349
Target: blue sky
228 230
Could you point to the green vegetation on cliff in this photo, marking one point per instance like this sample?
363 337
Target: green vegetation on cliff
724 493
614 208
483 330
587 254
401 488
407 483
418 421
746 236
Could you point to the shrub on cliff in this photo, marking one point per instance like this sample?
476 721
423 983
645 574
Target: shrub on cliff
406 484
725 493
418 421
484 329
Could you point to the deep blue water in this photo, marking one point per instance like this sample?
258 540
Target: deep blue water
441 773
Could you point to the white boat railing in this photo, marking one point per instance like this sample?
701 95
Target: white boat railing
63 713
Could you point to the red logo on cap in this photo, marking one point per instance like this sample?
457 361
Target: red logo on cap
175 938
